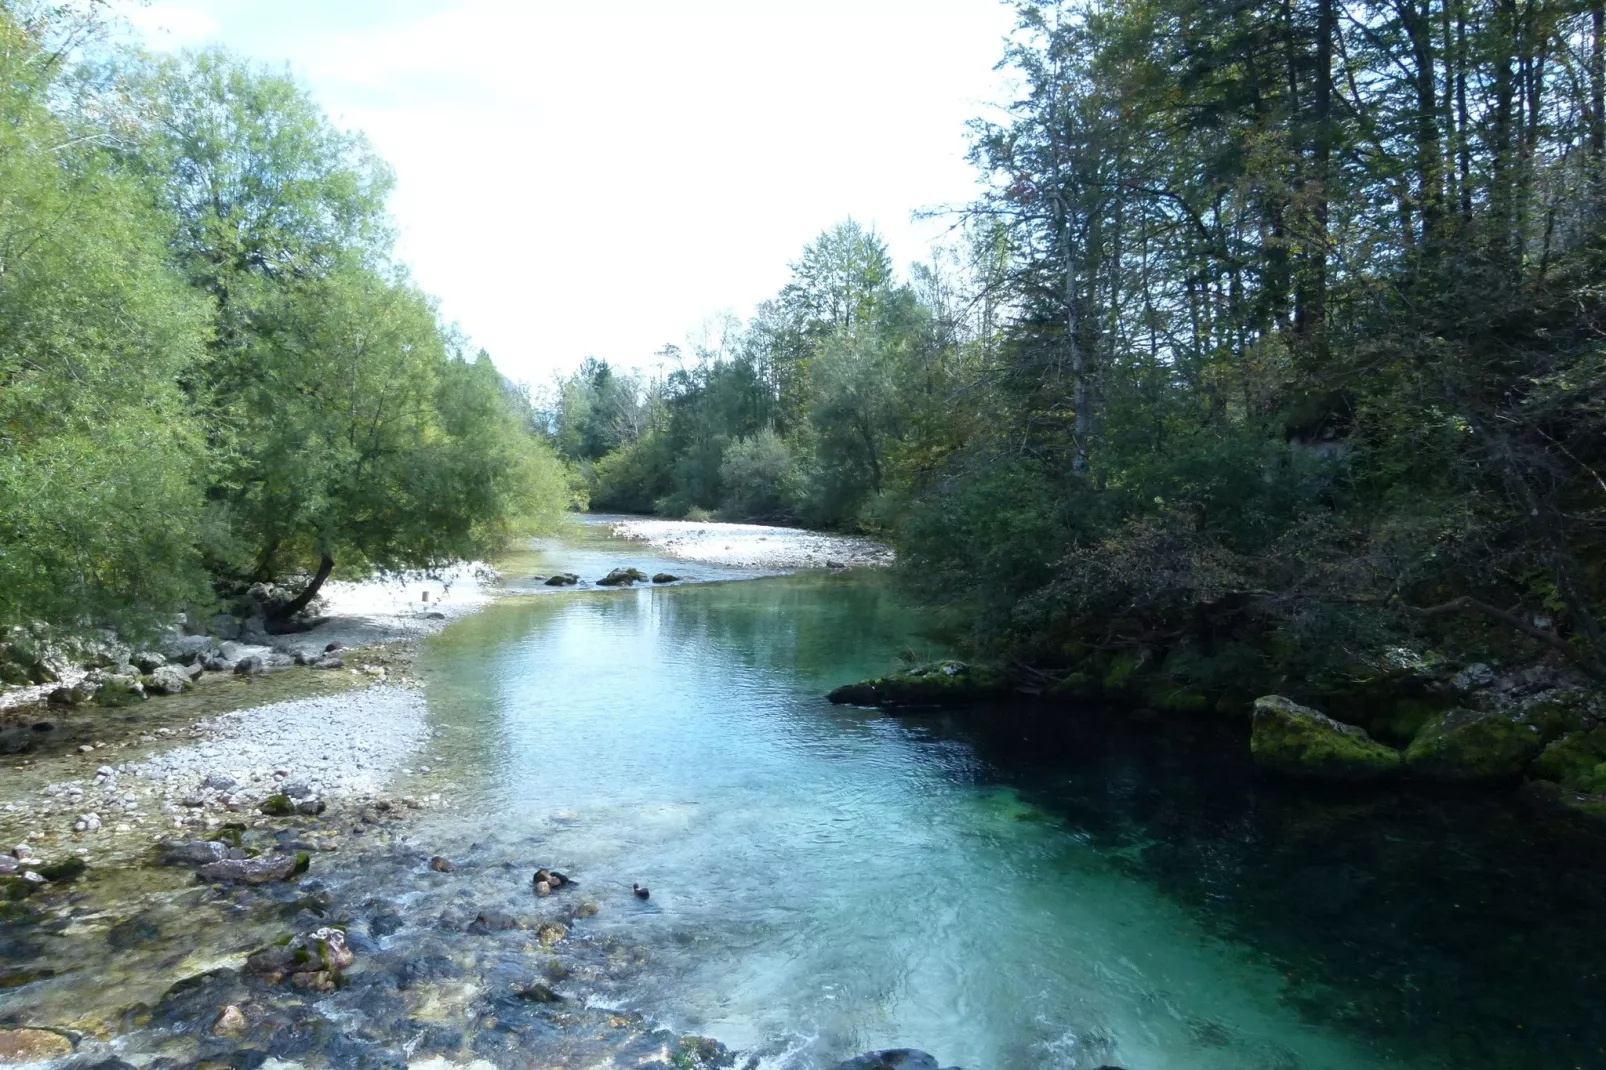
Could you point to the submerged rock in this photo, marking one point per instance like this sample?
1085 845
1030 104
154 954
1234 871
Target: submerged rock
313 960
892 1059
945 683
192 852
31 1046
1296 741
666 577
562 579
258 870
1463 744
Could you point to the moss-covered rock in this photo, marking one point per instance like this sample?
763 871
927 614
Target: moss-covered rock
1296 741
1577 760
1463 744
943 684
279 805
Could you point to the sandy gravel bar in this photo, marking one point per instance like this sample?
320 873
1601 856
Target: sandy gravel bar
754 545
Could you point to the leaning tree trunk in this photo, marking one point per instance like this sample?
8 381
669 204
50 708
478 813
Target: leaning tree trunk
326 565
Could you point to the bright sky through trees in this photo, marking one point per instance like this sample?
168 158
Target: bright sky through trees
580 179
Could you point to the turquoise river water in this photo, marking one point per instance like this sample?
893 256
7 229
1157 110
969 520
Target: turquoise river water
1025 887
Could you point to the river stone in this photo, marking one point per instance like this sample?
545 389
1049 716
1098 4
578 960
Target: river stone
1463 744
258 870
945 683
892 1059
193 852
622 577
147 660
168 680
1296 741
563 579
31 1046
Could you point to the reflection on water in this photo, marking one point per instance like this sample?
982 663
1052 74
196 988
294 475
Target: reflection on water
828 880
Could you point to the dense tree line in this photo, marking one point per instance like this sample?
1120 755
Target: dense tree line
212 371
1274 343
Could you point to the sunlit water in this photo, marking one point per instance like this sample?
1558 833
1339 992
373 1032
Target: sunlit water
827 880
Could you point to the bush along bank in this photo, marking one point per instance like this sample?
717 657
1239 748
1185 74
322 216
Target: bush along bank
1413 718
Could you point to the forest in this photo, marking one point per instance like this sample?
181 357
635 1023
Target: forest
1271 349
213 372
1270 345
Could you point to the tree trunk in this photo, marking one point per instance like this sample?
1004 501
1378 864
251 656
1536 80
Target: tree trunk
326 565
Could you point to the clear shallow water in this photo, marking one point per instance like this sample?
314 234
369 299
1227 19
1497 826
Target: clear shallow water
828 880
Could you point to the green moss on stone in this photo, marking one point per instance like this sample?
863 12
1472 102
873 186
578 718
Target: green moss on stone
278 806
1575 761
1296 741
1462 744
943 684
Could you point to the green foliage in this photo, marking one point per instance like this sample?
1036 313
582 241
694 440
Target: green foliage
209 368
99 466
756 474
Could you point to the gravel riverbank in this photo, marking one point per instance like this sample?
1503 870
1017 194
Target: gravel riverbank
755 546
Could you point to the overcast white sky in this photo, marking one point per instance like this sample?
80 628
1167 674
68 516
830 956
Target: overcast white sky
596 179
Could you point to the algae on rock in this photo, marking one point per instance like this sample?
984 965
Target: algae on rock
1296 741
1463 744
945 683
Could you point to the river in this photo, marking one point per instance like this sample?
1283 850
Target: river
1032 894
1017 888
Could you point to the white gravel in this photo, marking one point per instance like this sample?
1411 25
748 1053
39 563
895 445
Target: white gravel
754 545
333 746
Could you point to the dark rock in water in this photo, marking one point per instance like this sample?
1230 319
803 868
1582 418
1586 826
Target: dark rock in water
332 647
538 993
258 870
490 921
312 961
1464 744
64 872
892 1059
641 892
551 878
666 577
622 577
442 865
1296 741
944 684
133 932
251 666
563 579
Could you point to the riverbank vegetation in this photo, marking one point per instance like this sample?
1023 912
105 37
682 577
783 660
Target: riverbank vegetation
1271 352
213 372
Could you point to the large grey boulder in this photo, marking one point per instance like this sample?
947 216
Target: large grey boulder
168 680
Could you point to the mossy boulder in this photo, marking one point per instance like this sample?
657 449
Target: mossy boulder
1296 741
563 579
1463 744
1577 760
936 686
